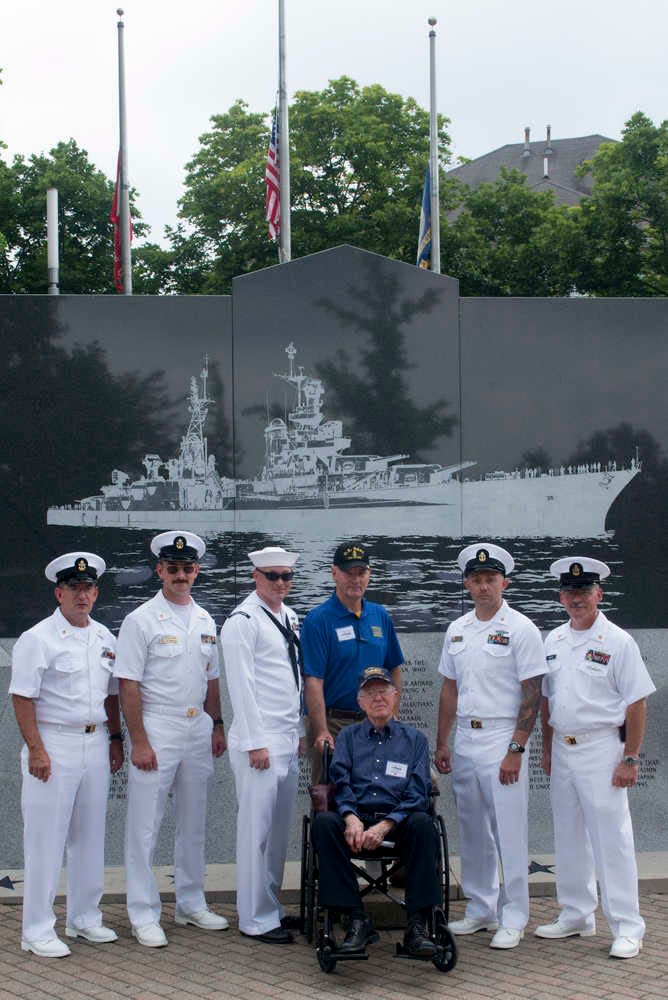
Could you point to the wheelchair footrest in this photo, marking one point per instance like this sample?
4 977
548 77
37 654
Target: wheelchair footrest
402 953
349 956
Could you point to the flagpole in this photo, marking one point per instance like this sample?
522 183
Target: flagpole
52 260
285 245
433 155
124 186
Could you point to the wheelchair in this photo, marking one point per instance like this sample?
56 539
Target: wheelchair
318 922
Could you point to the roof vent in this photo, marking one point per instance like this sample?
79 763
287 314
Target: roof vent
527 151
548 148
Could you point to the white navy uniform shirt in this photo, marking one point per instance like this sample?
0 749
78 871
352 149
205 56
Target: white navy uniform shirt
172 661
593 676
67 671
265 698
489 660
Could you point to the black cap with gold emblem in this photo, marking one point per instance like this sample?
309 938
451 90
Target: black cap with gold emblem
178 546
577 572
350 554
79 567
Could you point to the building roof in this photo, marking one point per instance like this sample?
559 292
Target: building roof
548 164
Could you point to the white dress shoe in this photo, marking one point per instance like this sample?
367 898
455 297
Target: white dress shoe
506 937
52 948
150 935
97 935
469 925
561 930
625 947
204 919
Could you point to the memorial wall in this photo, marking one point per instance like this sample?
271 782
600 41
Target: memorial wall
340 396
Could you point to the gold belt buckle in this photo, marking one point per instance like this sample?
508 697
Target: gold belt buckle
570 740
476 724
90 728
191 713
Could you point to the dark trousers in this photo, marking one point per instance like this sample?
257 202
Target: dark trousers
416 842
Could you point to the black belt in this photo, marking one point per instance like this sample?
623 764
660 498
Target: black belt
345 713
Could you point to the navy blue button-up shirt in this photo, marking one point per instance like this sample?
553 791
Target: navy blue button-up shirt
385 772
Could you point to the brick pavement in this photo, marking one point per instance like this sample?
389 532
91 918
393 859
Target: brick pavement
197 964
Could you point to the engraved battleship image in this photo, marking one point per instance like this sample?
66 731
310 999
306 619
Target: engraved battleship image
309 479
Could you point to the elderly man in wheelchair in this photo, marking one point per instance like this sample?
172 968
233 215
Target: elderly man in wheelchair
381 778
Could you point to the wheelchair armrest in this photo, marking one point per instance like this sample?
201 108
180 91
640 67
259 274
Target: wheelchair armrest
322 797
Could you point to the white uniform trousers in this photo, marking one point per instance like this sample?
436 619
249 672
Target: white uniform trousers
593 835
65 815
185 764
266 806
493 826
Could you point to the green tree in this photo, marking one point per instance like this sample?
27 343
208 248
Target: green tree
625 221
85 232
357 167
509 240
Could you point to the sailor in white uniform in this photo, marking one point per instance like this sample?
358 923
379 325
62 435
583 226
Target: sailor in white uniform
261 653
593 714
492 663
167 663
66 705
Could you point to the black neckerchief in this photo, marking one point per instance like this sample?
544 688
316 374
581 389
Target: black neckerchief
294 645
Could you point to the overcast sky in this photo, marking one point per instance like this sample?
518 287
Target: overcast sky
582 67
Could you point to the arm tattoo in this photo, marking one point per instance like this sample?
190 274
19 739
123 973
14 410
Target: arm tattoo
530 704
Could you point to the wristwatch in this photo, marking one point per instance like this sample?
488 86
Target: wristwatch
629 759
514 747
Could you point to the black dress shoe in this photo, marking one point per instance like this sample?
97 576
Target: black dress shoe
361 932
277 935
290 922
417 942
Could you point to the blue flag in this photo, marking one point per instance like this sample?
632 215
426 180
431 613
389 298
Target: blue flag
424 239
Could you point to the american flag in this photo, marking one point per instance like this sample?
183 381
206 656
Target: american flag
272 177
115 219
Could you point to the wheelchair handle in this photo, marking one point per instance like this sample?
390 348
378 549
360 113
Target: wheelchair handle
326 761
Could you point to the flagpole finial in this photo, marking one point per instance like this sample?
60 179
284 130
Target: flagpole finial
120 11
432 21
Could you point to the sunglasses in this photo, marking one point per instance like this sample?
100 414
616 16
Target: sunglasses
274 577
187 568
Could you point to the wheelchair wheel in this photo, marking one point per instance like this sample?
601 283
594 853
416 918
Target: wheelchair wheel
444 866
324 951
309 888
445 958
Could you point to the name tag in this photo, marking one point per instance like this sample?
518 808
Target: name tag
347 632
168 640
396 770
551 656
376 631
208 638
456 638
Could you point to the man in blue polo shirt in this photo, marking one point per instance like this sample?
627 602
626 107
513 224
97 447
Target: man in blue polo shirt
339 639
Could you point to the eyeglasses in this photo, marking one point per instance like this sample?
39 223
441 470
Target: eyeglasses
274 577
187 568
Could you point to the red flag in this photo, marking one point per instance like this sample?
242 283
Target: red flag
272 177
115 219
